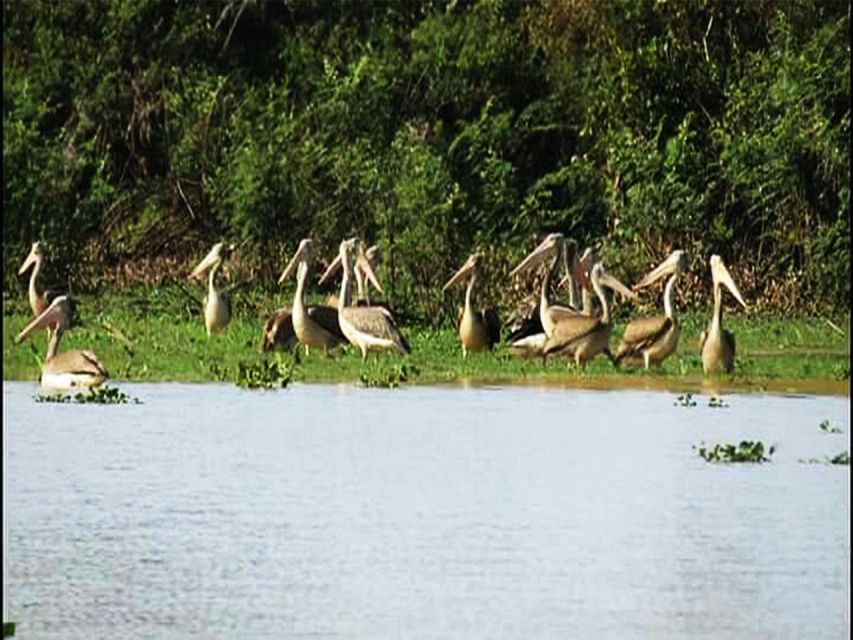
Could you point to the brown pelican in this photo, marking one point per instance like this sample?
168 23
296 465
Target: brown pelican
70 369
718 344
586 336
368 328
478 330
655 339
39 300
217 307
315 325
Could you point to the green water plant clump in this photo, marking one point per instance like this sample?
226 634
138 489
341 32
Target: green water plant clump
8 629
685 400
746 451
826 427
266 374
717 403
841 458
388 377
98 395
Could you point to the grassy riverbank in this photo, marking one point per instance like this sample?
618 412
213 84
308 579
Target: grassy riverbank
158 336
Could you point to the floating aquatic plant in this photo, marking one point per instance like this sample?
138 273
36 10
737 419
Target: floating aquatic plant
826 427
746 451
8 629
388 377
841 458
266 374
716 403
97 395
685 400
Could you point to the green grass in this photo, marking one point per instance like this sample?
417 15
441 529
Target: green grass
158 335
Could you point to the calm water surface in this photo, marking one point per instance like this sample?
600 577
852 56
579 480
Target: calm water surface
338 512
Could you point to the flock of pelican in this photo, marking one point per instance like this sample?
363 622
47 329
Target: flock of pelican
579 329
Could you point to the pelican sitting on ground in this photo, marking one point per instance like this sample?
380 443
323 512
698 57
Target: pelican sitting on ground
39 300
654 339
217 306
718 344
70 369
478 330
587 336
315 325
368 328
278 330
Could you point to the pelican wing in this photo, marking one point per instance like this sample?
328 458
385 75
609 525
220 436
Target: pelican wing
76 361
570 330
644 330
378 322
493 325
702 337
327 318
529 326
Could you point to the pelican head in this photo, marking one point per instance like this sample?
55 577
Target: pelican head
466 269
59 313
550 243
363 261
216 255
34 256
676 263
599 274
303 253
720 275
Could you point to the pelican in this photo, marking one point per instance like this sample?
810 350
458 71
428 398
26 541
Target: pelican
368 328
478 330
315 325
39 300
278 330
655 339
365 277
718 344
586 336
217 307
70 369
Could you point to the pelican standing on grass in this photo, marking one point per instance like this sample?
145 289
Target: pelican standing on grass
315 325
217 307
656 338
39 300
365 277
478 330
368 328
587 336
718 344
70 369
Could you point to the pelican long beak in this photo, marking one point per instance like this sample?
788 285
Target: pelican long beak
31 258
609 281
539 254
209 260
675 262
57 313
303 252
463 273
363 263
334 265
721 275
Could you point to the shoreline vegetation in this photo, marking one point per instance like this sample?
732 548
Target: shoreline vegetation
158 337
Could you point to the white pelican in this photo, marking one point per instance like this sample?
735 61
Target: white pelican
70 369
478 330
718 344
314 325
217 307
654 339
586 336
368 328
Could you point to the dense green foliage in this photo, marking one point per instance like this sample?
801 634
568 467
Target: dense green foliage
146 130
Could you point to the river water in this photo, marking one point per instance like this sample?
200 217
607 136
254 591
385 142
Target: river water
332 511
